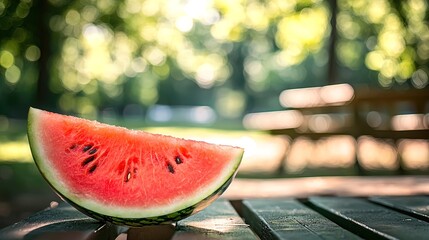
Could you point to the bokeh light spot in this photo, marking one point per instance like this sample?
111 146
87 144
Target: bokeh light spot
12 74
6 59
72 17
32 53
420 79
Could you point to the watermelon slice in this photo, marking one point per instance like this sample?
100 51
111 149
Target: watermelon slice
128 177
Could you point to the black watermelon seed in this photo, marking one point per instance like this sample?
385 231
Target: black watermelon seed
72 147
92 151
178 160
170 167
88 160
92 168
87 147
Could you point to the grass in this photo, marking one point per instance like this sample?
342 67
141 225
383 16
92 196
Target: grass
15 151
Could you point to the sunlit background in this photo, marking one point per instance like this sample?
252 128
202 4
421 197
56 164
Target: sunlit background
234 56
307 87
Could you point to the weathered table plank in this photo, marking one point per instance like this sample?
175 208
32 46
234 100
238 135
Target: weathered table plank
289 219
371 220
218 221
417 206
62 222
404 217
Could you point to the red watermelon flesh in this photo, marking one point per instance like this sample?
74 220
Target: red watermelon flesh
126 173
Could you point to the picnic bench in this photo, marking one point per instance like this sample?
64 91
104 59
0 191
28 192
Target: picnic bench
351 111
314 217
319 113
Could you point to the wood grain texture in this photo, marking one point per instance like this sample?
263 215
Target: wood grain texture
218 221
370 220
289 219
61 222
417 206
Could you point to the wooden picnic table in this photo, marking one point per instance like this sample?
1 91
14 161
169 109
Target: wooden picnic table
313 217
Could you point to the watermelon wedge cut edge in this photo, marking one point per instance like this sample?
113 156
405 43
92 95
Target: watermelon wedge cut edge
97 208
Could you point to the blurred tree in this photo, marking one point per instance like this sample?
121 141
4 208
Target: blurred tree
18 55
234 55
388 37
43 95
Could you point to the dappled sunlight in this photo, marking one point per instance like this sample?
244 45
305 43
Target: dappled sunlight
273 120
263 154
409 122
112 53
337 151
12 73
307 97
375 154
336 94
216 224
15 151
332 152
301 33
392 48
341 152
414 153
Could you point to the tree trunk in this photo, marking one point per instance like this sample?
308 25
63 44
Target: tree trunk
42 88
332 61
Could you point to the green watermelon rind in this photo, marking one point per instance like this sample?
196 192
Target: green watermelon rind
125 216
164 219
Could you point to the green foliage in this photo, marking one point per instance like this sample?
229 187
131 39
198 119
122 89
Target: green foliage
391 36
233 55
